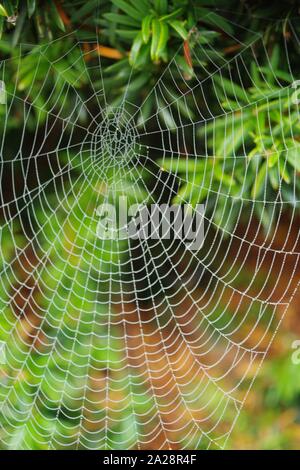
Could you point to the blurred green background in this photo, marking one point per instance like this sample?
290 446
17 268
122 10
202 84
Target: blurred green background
138 40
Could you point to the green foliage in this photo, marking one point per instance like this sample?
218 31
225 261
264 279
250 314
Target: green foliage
146 39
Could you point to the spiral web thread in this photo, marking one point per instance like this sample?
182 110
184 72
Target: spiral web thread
117 344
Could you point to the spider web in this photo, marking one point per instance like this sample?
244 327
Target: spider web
117 344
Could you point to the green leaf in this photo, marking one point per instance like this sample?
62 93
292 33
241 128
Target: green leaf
255 74
135 49
56 17
142 5
161 6
293 157
3 12
31 5
121 19
259 181
115 68
178 26
127 9
231 88
272 159
10 7
146 28
281 74
172 15
86 9
284 172
183 65
145 112
127 33
19 27
274 177
275 58
214 19
166 116
1 25
155 38
229 146
219 174
138 83
163 39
